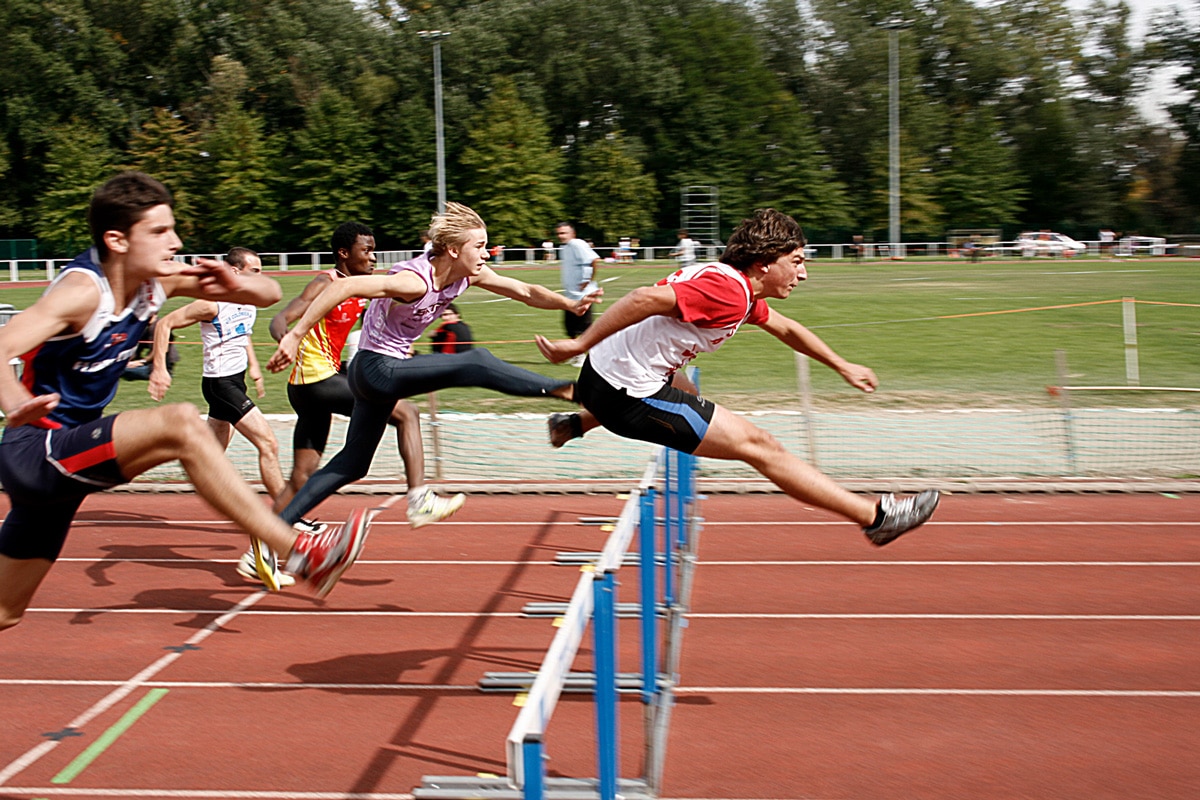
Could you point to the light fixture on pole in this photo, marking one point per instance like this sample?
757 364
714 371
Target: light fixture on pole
893 27
436 37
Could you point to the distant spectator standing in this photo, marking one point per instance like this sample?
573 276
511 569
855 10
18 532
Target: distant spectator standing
426 242
547 250
685 251
1107 240
856 247
453 335
578 263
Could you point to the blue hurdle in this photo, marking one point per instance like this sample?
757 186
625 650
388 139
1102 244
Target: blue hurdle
594 601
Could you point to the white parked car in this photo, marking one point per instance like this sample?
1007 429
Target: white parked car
1047 243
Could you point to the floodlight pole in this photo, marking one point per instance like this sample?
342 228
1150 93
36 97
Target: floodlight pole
893 27
436 37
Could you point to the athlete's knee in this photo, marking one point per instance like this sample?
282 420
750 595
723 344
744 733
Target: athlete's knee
9 619
182 422
405 413
759 445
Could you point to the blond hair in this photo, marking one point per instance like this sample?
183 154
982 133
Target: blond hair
449 228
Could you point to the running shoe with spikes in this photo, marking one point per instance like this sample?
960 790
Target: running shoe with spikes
562 428
321 558
897 516
259 563
309 526
428 506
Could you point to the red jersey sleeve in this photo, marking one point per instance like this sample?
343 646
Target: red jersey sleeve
714 300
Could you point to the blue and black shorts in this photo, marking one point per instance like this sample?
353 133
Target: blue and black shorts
46 474
670 416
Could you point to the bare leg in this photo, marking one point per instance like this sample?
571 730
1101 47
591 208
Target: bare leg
254 426
19 579
222 430
145 438
304 463
407 419
732 437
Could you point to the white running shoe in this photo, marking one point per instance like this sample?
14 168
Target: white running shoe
429 506
264 568
309 526
901 515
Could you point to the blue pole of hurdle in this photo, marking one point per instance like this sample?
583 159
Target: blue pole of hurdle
605 631
533 754
668 526
648 591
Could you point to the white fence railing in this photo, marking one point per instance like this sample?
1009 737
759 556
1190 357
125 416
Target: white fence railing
44 269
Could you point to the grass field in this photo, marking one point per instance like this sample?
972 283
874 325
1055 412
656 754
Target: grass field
930 330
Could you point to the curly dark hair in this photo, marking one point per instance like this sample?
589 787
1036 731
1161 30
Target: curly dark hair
762 239
346 235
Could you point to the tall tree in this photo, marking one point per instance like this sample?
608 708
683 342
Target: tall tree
79 160
330 168
240 208
167 149
514 174
979 184
616 196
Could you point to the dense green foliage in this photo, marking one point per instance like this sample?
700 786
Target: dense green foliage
272 120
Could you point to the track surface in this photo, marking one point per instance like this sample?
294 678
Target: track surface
1018 646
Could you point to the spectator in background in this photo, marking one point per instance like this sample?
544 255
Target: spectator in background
685 251
856 247
426 242
453 335
547 250
1108 239
578 263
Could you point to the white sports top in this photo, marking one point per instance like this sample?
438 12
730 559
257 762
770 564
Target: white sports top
225 337
714 299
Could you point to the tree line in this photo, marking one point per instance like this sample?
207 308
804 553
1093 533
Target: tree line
273 120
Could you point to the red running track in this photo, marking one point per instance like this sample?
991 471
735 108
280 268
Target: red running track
1018 646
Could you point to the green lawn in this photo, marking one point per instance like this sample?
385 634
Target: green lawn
928 329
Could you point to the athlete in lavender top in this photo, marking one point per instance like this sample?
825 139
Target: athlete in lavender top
404 302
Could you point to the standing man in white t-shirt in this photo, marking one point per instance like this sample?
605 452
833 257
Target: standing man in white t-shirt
577 266
686 250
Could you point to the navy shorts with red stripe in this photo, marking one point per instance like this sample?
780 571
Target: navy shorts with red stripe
46 474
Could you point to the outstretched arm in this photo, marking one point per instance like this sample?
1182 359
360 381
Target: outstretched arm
642 303
66 307
802 340
210 279
296 307
193 312
405 286
531 294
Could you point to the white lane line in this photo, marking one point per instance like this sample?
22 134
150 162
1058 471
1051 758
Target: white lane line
382 687
315 612
125 688
206 794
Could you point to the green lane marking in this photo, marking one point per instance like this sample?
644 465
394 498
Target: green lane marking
93 752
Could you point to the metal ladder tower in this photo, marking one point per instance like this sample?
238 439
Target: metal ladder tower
700 213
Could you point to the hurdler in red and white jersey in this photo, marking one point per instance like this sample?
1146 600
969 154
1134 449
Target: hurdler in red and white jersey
714 301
